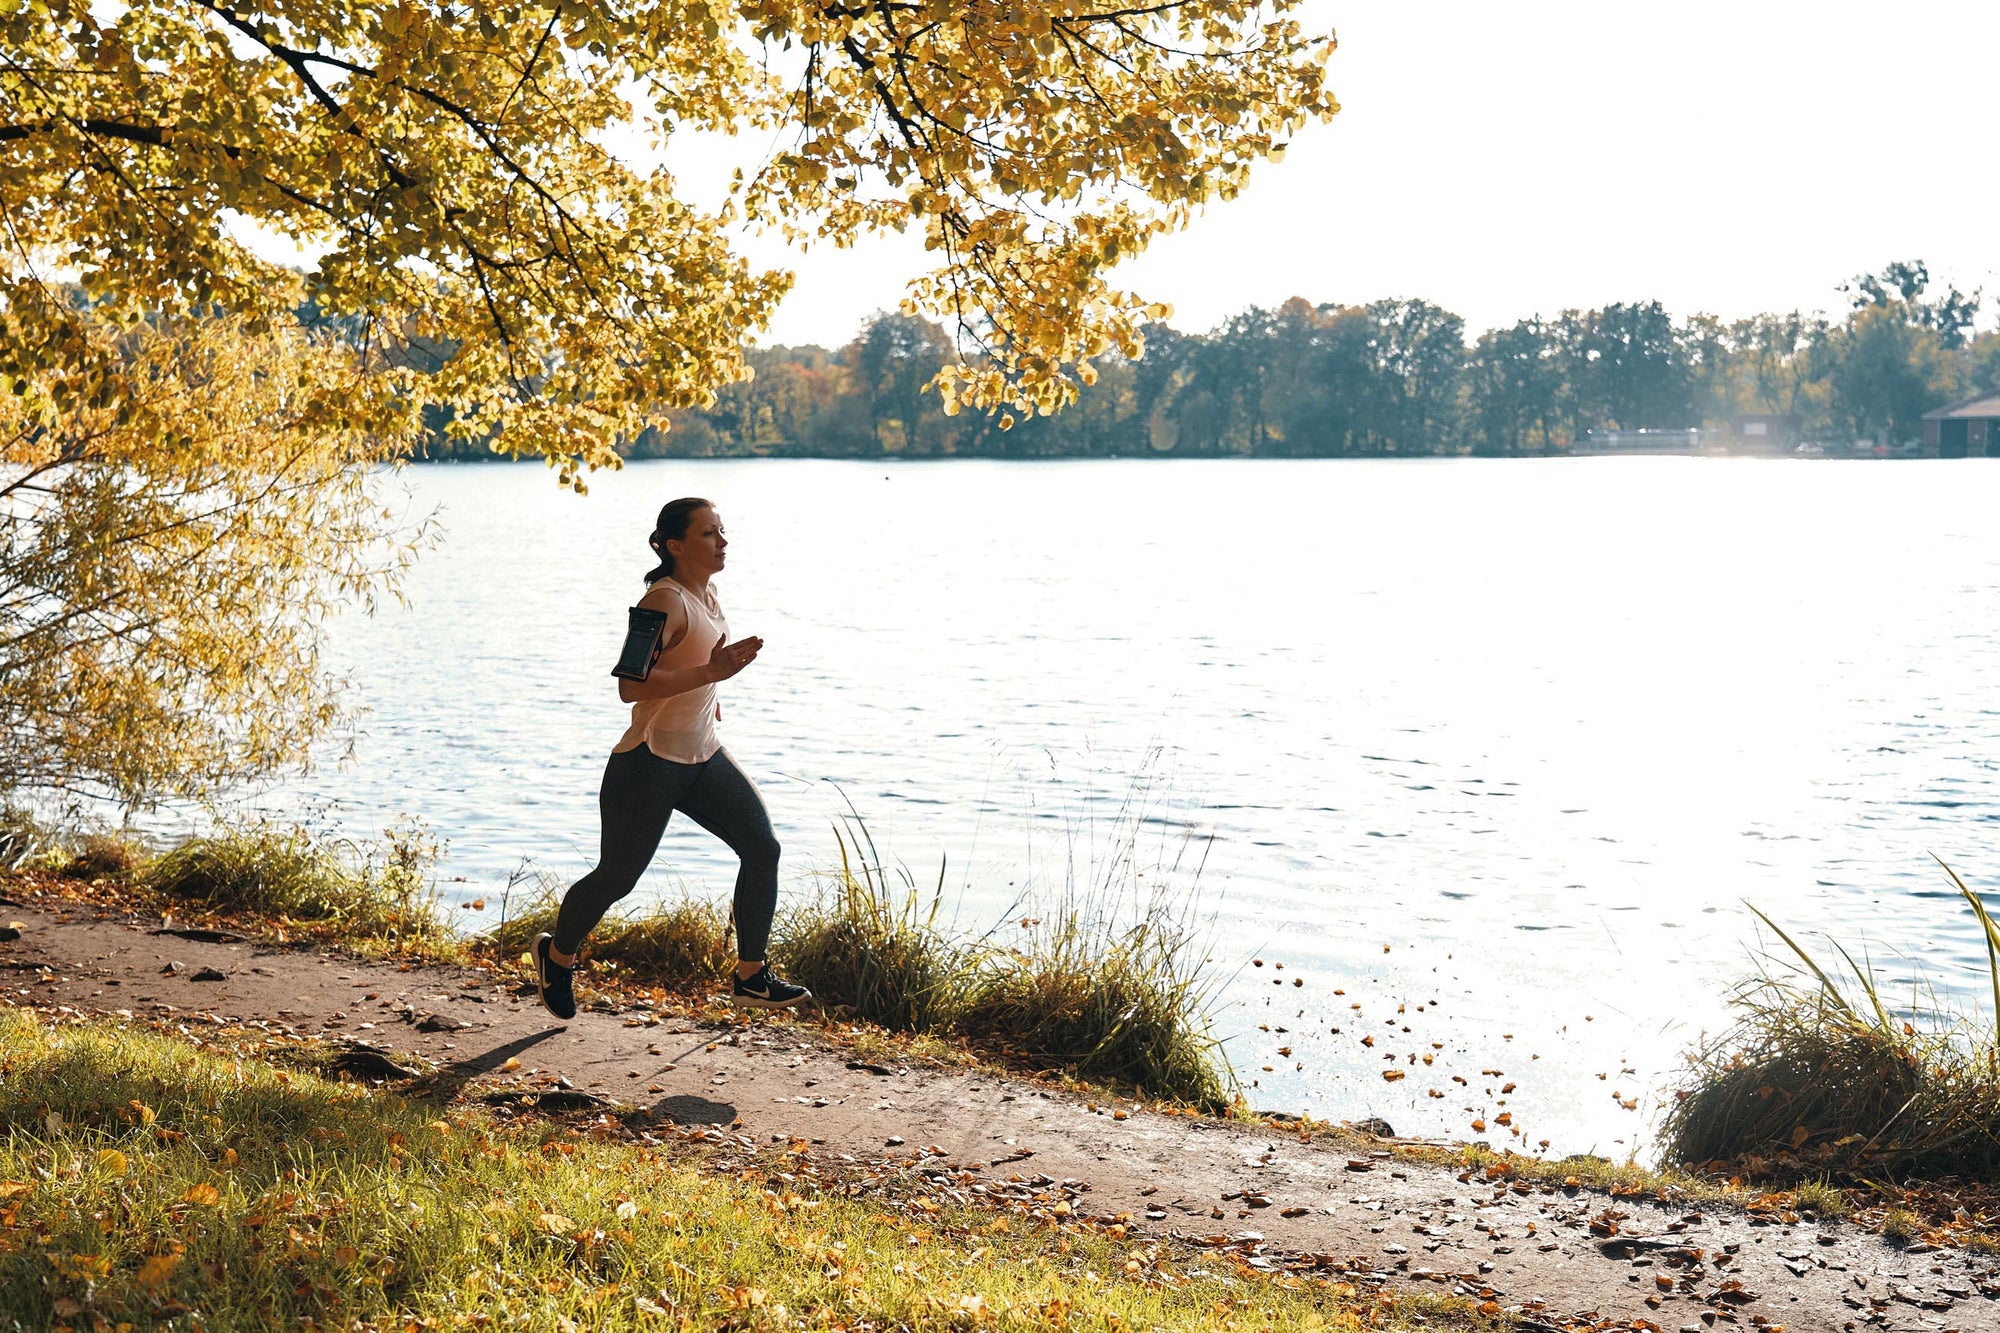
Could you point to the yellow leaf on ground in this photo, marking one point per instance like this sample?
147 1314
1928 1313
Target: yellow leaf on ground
207 1194
158 1270
556 1224
14 1189
112 1161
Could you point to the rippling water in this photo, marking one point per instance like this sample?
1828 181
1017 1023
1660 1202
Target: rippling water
1506 743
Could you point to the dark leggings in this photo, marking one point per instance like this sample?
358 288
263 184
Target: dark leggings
640 791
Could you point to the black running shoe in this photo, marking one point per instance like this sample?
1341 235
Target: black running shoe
767 990
554 982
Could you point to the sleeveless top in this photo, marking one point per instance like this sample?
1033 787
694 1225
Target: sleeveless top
681 728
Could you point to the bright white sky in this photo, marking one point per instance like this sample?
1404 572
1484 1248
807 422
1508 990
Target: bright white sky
1721 155
1727 156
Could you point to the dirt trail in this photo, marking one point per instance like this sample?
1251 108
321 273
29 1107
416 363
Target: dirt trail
1362 1212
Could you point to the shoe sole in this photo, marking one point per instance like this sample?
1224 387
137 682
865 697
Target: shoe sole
752 1002
542 982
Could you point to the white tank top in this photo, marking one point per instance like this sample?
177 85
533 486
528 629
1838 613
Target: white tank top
682 727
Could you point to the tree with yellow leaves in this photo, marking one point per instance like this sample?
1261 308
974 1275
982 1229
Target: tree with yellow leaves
179 451
168 558
447 162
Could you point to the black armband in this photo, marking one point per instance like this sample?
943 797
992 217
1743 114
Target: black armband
643 627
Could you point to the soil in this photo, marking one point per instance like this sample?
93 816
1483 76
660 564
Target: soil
1353 1206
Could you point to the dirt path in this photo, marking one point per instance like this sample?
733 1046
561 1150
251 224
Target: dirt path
1361 1211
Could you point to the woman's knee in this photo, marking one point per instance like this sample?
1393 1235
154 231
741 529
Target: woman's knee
613 880
760 849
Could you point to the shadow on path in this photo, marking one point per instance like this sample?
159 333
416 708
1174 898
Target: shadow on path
450 1080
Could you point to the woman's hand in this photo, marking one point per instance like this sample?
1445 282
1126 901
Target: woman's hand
729 658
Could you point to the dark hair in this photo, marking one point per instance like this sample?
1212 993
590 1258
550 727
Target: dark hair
671 527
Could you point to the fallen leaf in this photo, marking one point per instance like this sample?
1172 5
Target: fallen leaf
1391 1075
207 1194
556 1224
111 1161
158 1270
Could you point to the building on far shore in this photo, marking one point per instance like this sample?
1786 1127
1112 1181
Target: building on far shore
1692 440
1969 428
1764 433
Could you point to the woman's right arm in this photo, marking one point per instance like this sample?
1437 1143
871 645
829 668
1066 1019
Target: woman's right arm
725 661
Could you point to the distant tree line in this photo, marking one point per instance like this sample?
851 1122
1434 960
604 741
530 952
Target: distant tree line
1387 378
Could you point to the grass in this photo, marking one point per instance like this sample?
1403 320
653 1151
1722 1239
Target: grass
373 899
1091 992
1900 1226
878 949
1822 1198
1089 995
681 943
148 1180
1817 1077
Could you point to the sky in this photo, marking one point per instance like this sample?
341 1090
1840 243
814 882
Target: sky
1508 160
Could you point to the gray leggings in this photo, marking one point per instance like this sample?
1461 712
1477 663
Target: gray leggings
640 791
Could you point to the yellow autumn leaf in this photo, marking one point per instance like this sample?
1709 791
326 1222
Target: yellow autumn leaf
556 1224
111 1161
207 1194
157 1271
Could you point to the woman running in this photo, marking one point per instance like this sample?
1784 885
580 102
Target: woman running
670 759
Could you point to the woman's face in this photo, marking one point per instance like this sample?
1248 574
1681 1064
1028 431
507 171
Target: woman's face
701 552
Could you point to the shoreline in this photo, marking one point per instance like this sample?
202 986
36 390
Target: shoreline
1128 1156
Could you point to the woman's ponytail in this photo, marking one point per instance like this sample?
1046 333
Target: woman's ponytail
672 525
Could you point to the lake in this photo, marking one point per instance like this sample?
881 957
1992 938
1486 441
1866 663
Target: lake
1506 743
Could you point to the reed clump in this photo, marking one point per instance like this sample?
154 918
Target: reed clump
1089 995
379 895
1817 1076
877 948
1090 991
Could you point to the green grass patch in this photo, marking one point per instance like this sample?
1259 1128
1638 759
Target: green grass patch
1900 1226
1817 1077
372 899
147 1179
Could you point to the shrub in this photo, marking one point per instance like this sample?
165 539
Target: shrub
96 855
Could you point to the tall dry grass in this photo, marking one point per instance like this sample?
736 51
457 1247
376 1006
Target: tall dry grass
1817 1074
677 943
1104 981
375 895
